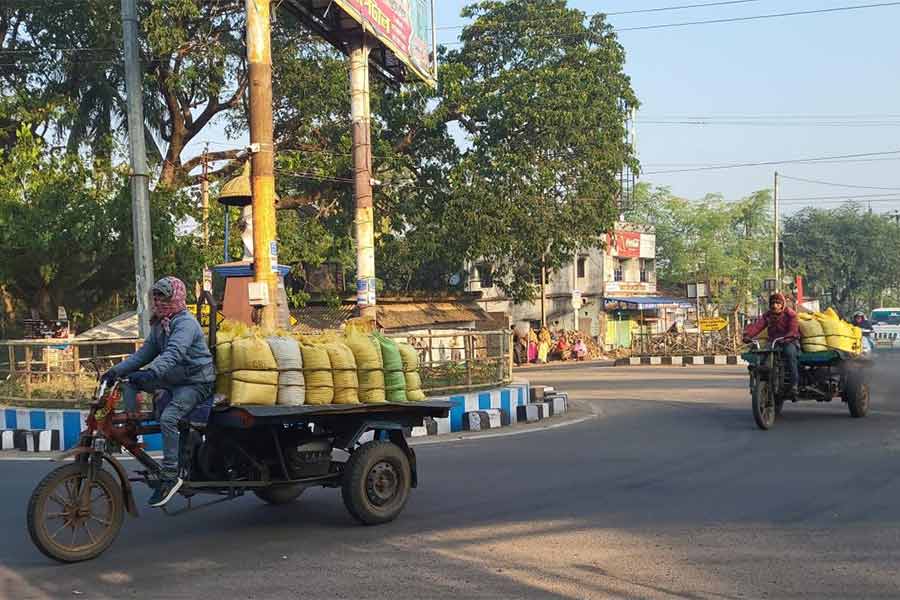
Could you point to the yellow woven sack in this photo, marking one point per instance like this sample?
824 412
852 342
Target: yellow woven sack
367 354
255 372
812 336
317 373
228 331
410 358
343 365
839 335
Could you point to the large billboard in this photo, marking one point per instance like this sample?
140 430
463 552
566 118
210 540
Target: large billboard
404 30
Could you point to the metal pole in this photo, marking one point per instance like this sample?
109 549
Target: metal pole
204 199
140 176
262 158
777 249
362 179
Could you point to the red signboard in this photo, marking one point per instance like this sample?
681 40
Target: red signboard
628 244
404 26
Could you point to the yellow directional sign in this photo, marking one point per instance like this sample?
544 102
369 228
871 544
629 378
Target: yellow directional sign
713 324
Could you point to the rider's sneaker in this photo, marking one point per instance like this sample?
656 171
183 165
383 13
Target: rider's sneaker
164 492
795 392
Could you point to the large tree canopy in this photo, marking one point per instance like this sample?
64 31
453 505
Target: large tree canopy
849 256
727 244
541 96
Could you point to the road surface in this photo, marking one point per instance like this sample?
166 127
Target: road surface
670 492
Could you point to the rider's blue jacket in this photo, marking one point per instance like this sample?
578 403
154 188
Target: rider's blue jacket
181 357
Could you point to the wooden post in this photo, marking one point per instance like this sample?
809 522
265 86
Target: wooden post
28 372
12 360
430 353
76 363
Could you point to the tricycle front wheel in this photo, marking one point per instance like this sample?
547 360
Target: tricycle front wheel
764 406
69 523
376 482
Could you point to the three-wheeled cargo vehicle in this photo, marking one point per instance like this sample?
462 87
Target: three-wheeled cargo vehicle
275 452
823 377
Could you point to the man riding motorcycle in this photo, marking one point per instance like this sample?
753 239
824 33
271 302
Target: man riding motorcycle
782 323
176 358
860 320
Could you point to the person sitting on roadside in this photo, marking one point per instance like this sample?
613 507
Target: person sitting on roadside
580 349
782 323
175 357
563 348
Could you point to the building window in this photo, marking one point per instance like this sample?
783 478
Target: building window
646 269
485 276
581 267
619 270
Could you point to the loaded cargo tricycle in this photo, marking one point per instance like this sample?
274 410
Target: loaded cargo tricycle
275 452
823 377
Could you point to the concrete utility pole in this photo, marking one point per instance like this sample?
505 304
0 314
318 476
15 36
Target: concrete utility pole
362 178
140 176
262 158
777 246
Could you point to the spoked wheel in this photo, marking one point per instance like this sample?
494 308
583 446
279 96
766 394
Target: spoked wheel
69 523
376 482
764 406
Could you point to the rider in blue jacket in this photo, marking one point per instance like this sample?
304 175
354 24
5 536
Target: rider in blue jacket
175 357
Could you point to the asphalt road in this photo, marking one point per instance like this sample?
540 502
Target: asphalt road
671 492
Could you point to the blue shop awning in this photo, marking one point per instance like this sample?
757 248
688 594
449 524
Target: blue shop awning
648 302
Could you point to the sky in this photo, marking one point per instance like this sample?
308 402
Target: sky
794 87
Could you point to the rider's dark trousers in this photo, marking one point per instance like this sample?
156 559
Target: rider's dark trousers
789 352
184 399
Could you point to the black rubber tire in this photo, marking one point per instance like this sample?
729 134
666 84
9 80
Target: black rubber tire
763 413
856 394
38 508
279 494
375 464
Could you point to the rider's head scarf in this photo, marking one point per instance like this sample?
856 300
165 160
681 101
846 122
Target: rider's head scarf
168 297
776 298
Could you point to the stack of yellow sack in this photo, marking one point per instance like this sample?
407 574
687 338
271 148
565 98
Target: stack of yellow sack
254 378
410 357
346 380
228 331
812 336
367 354
840 335
318 374
275 368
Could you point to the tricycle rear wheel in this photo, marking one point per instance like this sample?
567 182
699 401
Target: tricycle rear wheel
62 527
856 394
376 482
279 494
764 406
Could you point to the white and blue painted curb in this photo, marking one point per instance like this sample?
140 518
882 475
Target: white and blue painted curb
66 425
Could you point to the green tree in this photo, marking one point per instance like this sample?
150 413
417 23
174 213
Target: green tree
727 244
846 254
541 95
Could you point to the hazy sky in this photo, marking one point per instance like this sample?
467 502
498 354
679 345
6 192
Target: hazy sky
775 89
842 65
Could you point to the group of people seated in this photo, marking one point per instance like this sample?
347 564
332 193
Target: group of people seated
543 346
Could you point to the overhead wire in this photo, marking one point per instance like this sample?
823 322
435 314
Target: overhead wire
772 162
843 185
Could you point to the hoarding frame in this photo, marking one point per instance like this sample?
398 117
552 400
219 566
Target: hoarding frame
338 25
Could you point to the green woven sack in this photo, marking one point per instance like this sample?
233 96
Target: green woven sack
394 379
